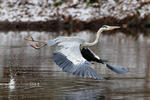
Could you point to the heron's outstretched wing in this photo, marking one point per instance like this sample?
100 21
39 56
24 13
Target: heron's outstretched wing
91 56
69 58
70 49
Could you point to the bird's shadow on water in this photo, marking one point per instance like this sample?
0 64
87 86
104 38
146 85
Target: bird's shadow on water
68 88
75 88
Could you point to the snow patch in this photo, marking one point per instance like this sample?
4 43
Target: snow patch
39 10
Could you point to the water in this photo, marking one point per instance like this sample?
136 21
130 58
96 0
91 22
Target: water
29 74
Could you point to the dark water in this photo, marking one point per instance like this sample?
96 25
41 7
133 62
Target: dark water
29 74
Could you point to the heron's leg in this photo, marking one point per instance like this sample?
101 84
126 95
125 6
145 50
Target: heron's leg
31 39
38 47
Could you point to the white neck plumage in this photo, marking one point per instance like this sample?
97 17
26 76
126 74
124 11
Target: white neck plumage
86 44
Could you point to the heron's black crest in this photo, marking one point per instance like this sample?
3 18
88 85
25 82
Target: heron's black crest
105 26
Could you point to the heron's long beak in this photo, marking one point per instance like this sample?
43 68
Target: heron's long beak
114 27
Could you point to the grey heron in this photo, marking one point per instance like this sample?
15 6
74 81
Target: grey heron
74 55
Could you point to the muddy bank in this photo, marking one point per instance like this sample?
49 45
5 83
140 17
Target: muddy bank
71 25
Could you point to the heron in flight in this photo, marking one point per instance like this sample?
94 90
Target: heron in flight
74 55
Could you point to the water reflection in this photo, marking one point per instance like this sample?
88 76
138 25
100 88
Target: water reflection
26 73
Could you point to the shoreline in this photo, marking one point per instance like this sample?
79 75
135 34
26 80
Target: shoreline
72 25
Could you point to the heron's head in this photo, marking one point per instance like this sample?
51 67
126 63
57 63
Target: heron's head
107 28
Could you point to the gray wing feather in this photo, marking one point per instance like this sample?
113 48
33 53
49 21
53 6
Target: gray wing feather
69 58
63 40
82 70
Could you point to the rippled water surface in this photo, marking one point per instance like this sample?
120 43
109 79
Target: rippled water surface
29 74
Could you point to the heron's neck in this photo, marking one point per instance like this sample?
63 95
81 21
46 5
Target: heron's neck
96 39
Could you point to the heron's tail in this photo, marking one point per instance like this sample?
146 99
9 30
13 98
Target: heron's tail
103 61
117 69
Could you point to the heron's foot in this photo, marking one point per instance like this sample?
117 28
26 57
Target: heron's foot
35 46
29 38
